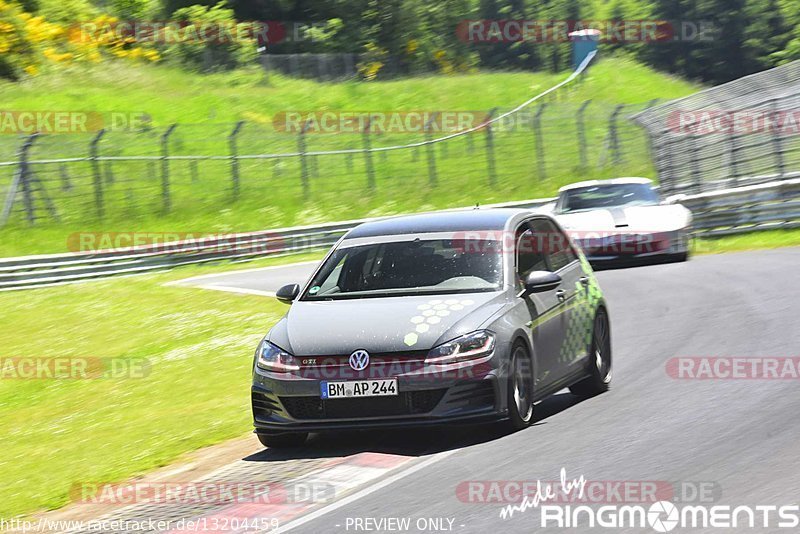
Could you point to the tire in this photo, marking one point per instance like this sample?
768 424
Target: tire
599 377
282 441
520 388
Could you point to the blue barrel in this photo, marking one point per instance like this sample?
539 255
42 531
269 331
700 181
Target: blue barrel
584 42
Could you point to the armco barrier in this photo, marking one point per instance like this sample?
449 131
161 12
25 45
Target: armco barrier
767 206
45 270
773 205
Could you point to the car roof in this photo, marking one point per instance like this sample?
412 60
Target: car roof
612 181
443 221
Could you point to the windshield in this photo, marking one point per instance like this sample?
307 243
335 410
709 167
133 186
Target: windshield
408 268
606 196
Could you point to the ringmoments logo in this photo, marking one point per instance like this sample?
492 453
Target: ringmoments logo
660 516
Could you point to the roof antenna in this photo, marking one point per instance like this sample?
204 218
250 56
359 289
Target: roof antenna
477 206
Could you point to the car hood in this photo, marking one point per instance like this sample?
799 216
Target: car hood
390 324
640 219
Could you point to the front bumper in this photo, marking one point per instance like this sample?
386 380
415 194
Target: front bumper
635 245
283 403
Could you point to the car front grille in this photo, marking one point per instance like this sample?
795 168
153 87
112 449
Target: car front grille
406 403
263 404
476 393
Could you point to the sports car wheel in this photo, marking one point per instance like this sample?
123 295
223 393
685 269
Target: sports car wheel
599 359
520 388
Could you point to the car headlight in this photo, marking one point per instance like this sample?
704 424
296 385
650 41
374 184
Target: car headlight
273 358
467 347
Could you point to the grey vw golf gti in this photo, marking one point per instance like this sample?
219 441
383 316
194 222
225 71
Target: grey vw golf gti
433 319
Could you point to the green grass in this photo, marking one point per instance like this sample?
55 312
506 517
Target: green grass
199 344
765 239
175 95
271 190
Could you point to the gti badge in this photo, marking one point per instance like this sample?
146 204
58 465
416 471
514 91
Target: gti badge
359 360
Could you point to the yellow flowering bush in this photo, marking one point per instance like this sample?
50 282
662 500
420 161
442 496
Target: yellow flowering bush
17 50
29 44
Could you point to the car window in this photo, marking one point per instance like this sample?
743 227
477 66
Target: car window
607 196
409 267
559 249
541 246
530 253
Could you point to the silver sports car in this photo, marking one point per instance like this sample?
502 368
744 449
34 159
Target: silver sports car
433 319
623 219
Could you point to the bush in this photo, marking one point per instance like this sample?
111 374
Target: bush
17 50
228 52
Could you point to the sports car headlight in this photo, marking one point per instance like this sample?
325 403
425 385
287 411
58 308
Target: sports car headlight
273 358
467 347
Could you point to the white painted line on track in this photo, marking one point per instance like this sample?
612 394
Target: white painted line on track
241 290
239 271
366 491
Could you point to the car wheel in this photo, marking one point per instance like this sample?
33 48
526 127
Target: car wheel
520 388
599 361
280 441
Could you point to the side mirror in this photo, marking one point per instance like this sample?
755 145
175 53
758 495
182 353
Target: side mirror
288 293
540 281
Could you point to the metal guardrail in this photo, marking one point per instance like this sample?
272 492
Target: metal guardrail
55 269
765 206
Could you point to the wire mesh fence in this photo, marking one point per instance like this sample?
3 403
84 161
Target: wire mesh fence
183 169
744 131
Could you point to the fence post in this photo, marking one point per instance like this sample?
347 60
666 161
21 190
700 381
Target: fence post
368 156
490 165
663 151
20 178
613 135
301 149
732 155
96 176
432 178
537 132
25 175
694 164
165 198
580 125
235 158
776 138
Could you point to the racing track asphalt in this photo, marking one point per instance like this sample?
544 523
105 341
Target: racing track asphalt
743 436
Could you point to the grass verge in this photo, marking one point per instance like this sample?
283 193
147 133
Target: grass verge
199 344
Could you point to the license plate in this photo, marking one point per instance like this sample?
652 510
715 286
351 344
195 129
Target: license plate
358 388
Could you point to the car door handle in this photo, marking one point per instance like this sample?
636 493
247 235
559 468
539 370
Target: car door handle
584 280
561 295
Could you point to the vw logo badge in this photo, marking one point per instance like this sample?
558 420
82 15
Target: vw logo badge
359 360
